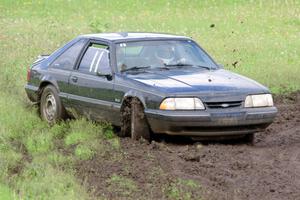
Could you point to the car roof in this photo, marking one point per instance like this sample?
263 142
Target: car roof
132 36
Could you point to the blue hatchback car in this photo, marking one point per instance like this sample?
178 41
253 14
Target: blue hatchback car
148 83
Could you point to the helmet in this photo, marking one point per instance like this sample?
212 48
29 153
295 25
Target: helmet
165 53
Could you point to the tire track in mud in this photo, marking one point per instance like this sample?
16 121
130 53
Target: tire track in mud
268 169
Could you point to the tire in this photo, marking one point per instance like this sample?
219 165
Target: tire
51 108
126 121
249 138
139 127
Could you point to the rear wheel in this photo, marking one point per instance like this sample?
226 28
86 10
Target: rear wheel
51 108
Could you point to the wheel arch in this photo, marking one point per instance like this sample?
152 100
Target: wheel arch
129 100
46 80
132 95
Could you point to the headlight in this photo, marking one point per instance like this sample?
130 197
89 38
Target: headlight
259 100
182 104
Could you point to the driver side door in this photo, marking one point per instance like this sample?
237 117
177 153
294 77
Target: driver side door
92 95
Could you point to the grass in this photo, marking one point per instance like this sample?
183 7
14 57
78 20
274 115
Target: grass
182 189
33 162
42 181
259 39
121 186
6 193
261 36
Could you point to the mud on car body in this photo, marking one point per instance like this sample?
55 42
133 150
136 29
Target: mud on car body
148 83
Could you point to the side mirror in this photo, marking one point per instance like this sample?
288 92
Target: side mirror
105 71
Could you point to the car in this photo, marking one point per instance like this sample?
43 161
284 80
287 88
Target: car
148 83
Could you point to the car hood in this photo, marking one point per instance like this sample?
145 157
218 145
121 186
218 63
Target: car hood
201 82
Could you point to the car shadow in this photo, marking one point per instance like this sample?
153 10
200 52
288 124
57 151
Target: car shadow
184 140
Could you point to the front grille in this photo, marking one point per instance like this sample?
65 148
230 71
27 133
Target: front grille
230 104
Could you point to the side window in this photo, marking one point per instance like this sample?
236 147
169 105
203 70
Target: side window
68 58
95 58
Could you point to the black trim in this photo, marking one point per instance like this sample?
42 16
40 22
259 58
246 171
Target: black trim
63 51
116 42
87 45
103 103
78 60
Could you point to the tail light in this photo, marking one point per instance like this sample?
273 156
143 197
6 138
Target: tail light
28 74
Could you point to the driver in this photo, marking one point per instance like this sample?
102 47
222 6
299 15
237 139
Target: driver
165 54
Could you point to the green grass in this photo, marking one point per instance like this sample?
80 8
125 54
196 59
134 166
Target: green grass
261 36
121 186
42 181
6 193
182 189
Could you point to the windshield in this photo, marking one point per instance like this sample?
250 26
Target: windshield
161 54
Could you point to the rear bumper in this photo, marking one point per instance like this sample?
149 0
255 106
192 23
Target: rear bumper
32 92
219 122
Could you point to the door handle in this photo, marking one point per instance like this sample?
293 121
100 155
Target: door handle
74 78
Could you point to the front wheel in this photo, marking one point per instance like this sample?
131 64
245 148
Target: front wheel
51 108
139 127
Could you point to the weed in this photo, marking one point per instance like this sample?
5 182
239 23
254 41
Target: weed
182 189
120 185
59 160
9 159
39 142
84 152
42 181
60 130
115 143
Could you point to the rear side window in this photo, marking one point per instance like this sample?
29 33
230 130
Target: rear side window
68 58
95 58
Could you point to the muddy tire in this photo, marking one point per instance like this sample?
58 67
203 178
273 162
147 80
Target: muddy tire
249 138
51 108
126 121
139 127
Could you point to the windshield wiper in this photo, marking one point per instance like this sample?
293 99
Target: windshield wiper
135 68
163 68
177 65
205 67
186 64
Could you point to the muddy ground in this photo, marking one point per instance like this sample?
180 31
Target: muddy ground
268 169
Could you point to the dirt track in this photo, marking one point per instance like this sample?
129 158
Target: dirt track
270 169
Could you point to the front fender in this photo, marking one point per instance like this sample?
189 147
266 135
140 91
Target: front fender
136 94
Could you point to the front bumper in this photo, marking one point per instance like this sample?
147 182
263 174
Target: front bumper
217 122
